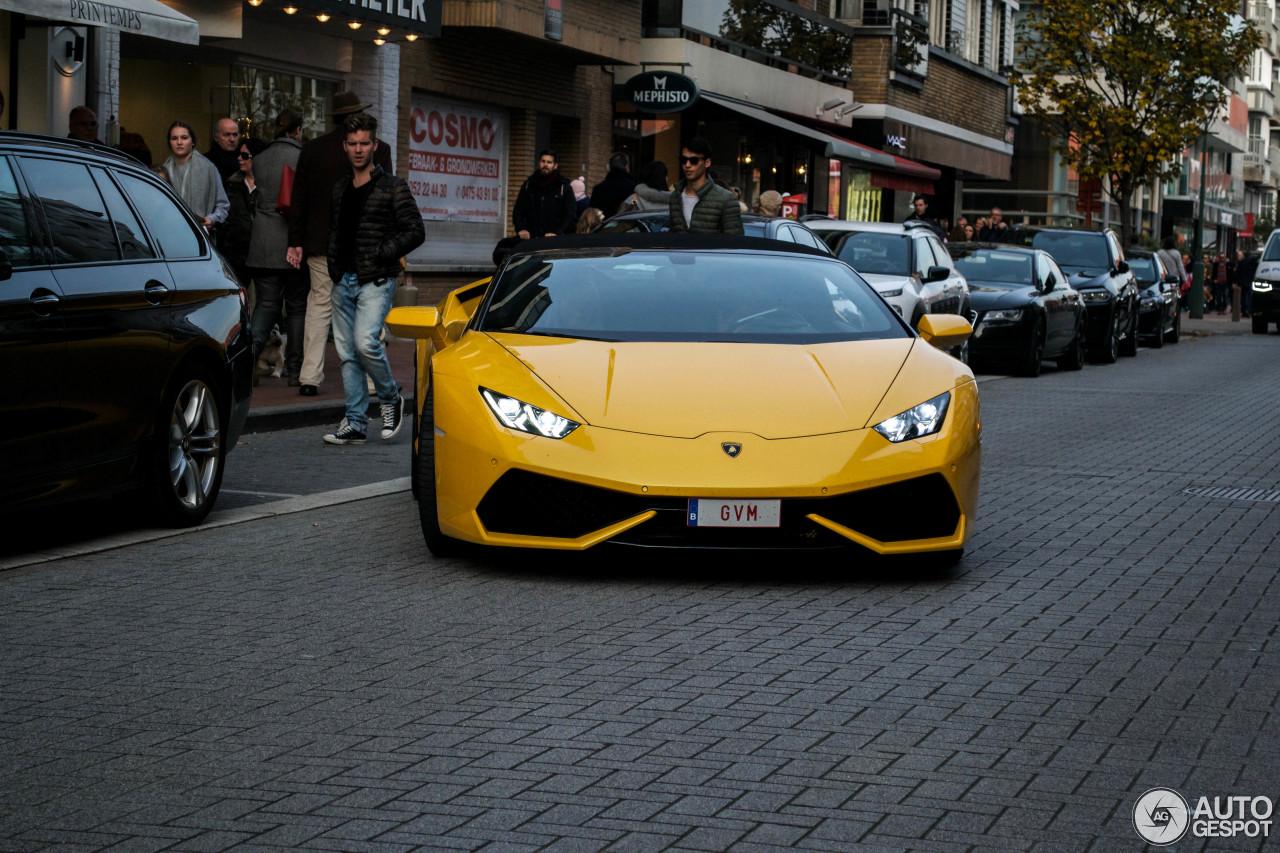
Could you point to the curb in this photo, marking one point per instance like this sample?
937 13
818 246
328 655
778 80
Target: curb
318 413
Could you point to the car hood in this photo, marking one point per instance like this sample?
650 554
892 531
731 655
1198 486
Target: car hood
688 389
984 298
880 281
1090 278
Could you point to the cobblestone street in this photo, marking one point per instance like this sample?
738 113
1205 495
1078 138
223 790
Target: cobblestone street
318 680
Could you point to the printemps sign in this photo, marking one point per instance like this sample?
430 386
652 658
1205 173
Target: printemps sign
660 92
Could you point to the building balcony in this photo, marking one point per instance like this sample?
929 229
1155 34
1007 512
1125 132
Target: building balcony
1259 169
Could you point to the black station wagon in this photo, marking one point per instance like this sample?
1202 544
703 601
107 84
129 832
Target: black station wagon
125 354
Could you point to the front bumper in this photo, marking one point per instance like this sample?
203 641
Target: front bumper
499 487
1265 305
1000 341
1098 322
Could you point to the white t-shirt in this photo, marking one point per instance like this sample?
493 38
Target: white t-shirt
689 202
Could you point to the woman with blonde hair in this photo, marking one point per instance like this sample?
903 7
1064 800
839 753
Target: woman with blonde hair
590 220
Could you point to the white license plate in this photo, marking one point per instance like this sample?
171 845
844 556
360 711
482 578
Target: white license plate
719 513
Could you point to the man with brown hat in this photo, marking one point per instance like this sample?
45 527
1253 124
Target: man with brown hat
321 165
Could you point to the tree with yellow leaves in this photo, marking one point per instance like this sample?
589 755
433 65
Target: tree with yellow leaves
1123 87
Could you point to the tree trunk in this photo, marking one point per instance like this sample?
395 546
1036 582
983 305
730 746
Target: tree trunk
1122 193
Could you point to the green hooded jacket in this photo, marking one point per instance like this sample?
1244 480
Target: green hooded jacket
716 212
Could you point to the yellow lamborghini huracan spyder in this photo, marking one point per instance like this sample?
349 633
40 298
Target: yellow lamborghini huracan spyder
689 391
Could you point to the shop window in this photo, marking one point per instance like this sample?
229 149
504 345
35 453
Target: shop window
258 95
74 211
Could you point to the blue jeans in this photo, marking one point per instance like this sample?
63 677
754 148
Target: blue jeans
359 311
277 289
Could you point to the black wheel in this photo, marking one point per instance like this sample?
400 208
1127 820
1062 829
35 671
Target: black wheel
188 454
1129 347
1158 340
413 445
1175 334
1259 326
437 543
1073 358
1031 360
1111 346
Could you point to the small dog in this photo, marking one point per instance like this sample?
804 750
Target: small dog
271 359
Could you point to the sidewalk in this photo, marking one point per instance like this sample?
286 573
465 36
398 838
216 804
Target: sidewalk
276 405
1212 324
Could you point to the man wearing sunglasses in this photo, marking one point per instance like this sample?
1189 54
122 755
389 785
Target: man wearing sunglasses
698 204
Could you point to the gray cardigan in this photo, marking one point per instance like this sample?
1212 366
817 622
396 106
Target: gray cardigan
270 238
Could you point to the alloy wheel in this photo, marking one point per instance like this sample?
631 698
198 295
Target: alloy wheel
195 440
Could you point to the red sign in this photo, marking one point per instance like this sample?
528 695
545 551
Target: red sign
793 205
1248 226
1089 199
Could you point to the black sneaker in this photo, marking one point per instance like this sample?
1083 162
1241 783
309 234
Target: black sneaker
392 417
346 434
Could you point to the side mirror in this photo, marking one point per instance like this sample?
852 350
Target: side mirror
944 330
413 321
1121 268
1049 283
936 274
6 268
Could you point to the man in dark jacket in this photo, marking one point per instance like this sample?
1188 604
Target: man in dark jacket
920 213
609 195
545 206
698 204
321 164
374 223
226 142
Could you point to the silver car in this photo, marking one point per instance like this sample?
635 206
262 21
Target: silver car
906 263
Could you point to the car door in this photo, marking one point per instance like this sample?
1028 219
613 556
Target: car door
1057 317
33 350
116 294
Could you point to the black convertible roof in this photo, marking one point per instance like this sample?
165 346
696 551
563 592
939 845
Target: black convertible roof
663 240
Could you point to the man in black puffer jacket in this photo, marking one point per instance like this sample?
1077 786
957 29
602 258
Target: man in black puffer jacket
375 222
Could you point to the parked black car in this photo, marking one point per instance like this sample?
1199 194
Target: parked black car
127 359
753 225
1159 319
1096 268
1024 311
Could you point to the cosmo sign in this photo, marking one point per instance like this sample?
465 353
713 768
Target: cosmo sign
456 161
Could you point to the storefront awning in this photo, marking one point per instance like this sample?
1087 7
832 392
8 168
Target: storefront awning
135 17
834 146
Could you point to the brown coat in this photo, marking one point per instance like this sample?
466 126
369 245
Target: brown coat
321 165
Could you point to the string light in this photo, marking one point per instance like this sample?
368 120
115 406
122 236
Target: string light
382 31
355 25
291 10
411 37
379 41
322 17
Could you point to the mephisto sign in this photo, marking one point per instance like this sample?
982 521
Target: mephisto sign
660 92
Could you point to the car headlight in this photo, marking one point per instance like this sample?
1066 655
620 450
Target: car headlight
924 419
1004 315
518 414
1095 295
891 293
1262 287
1151 301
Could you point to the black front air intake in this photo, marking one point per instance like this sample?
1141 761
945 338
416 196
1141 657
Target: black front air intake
524 503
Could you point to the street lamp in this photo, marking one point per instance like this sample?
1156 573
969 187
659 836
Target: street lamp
1196 303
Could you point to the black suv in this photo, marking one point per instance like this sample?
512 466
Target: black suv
127 360
1096 267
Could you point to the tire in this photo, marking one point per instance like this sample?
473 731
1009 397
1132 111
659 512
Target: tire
1073 358
1112 344
1031 361
188 455
1158 338
428 514
1129 348
1259 326
1175 334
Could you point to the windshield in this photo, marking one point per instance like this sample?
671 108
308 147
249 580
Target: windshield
671 295
1075 251
1144 269
638 223
996 267
880 254
1273 249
